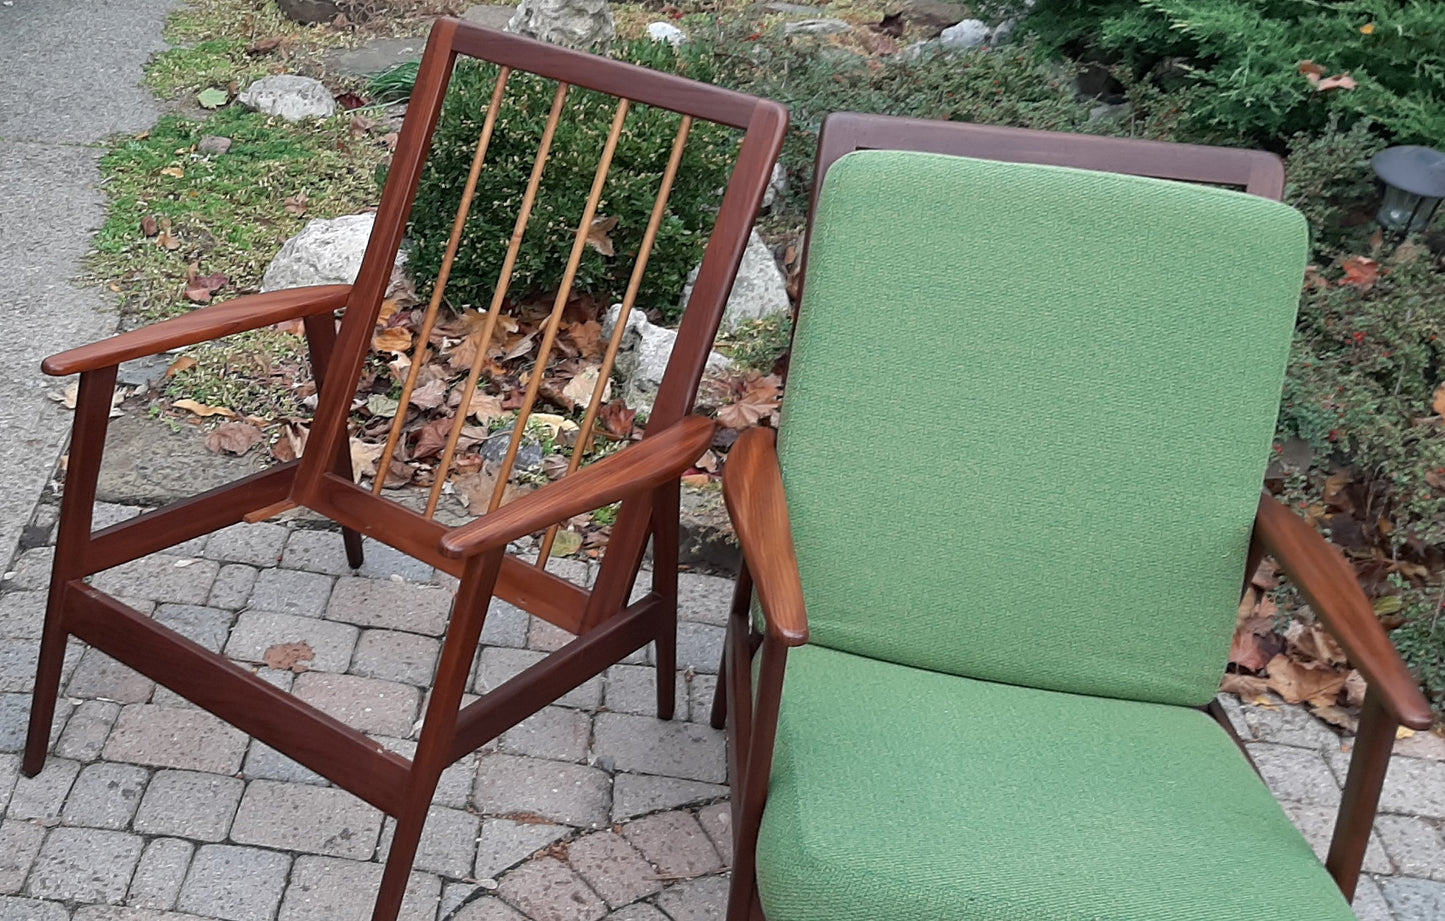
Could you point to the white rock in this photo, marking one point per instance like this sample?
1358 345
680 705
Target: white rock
325 252
643 356
289 96
967 34
666 32
816 27
760 289
585 24
919 50
1002 31
776 186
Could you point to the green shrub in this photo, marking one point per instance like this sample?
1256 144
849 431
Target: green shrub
631 188
1246 55
1331 183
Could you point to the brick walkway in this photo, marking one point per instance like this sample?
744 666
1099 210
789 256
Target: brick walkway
151 810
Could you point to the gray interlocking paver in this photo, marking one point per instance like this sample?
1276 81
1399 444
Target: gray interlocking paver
15 715
234 883
9 773
1369 904
497 665
1415 787
160 873
393 655
203 625
717 821
86 730
390 605
256 544
448 844
1296 774
287 591
546 637
488 908
105 795
555 733
18 909
302 817
547 890
506 625
233 586
504 843
638 794
703 599
703 899
31 570
189 804
1317 824
1414 845
84 865
700 693
255 632
169 737
633 689
265 763
22 614
613 868
571 794
162 578
367 704
333 889
699 647
673 749
1287 726
20 841
100 677
674 842
639 912
43 796
17 664
1414 899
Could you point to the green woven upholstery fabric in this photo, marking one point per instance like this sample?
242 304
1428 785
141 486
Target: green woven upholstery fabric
1027 418
1016 804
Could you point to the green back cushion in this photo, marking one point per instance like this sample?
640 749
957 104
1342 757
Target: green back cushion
1027 418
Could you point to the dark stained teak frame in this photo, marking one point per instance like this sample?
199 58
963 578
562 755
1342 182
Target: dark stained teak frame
643 477
753 489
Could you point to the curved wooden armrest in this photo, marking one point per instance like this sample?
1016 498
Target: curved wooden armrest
1328 583
753 490
645 465
251 311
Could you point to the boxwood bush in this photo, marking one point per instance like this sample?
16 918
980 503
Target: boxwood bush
632 185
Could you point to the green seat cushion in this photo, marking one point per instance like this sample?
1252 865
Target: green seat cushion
1027 415
910 795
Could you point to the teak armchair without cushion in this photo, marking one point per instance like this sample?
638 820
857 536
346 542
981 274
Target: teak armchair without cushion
989 628
644 476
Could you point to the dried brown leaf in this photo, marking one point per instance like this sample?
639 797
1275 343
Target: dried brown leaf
289 657
233 438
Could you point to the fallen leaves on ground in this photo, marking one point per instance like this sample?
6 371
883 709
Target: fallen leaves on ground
233 438
294 657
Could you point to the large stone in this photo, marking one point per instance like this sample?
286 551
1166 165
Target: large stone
585 24
289 96
325 252
970 33
760 290
643 356
309 12
816 27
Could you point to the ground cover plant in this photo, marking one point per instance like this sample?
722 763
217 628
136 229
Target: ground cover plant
1361 442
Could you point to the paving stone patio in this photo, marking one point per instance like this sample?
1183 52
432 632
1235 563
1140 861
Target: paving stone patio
152 810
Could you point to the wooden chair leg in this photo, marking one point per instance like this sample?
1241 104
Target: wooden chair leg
47 685
352 540
664 584
404 841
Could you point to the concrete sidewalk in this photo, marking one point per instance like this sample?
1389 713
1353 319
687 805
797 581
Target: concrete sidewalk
71 77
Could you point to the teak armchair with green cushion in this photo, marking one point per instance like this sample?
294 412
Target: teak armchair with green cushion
993 619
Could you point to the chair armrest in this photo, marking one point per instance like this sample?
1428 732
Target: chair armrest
1327 582
753 490
645 465
250 311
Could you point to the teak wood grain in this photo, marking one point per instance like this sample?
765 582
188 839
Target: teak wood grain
753 488
643 476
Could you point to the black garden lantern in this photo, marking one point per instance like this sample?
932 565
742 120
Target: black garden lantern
1414 181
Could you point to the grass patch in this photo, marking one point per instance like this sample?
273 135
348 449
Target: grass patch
253 373
226 211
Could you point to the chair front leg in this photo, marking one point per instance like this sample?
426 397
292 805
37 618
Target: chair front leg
1368 765
665 517
87 444
320 341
